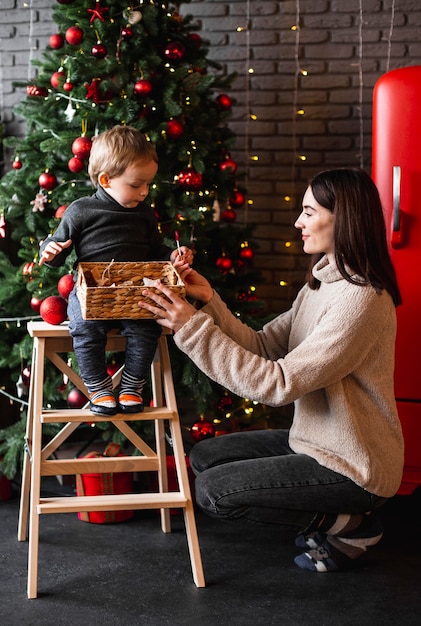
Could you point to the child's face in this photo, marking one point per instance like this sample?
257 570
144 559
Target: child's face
132 186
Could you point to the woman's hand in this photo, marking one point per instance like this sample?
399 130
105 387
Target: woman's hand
197 287
171 311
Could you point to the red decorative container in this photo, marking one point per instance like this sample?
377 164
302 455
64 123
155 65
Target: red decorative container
104 484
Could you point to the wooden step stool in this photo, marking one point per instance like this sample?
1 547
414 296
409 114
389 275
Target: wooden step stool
49 342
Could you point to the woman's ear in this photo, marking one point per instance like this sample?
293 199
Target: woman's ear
103 179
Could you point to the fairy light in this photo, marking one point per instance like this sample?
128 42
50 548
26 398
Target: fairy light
389 38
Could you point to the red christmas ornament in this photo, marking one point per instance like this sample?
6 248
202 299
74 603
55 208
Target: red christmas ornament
35 304
190 179
246 253
53 310
175 129
224 264
34 90
228 166
75 165
196 39
65 285
2 226
74 35
223 102
142 87
67 86
27 269
112 368
26 375
81 147
99 51
57 79
127 33
228 215
47 181
56 41
76 399
175 51
237 198
17 164
202 430
60 211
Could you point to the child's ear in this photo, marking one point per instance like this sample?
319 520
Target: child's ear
103 179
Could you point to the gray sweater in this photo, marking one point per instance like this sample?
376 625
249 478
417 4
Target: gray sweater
332 355
102 230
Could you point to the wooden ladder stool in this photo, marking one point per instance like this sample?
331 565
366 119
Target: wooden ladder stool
51 342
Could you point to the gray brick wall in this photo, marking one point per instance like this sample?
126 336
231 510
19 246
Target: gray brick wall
343 58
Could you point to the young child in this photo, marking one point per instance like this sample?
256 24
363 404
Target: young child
115 223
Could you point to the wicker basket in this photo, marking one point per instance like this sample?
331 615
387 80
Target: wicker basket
113 290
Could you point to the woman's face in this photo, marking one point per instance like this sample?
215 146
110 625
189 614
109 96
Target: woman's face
317 227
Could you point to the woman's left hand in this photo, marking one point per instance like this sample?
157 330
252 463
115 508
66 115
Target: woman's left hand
171 311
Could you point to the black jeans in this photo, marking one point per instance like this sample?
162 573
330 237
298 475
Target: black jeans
255 476
90 337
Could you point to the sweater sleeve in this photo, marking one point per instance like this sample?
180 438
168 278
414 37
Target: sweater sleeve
252 364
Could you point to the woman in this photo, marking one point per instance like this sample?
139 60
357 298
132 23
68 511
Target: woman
332 354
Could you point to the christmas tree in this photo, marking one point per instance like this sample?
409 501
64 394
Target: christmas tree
148 67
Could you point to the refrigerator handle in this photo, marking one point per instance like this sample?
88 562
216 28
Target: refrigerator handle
396 239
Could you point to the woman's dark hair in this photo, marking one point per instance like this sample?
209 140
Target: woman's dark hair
360 230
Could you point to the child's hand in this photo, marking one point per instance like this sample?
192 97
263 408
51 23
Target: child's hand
52 249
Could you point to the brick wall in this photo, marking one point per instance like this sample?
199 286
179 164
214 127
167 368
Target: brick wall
326 69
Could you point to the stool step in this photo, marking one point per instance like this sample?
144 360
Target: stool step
121 502
85 415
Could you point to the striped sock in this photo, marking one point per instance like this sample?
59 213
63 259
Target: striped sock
101 397
346 540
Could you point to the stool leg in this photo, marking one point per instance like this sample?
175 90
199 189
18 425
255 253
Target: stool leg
38 379
181 468
158 400
26 470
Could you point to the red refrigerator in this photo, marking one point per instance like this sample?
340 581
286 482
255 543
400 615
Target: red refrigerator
397 173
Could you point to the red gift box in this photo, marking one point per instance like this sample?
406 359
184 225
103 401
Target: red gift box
104 484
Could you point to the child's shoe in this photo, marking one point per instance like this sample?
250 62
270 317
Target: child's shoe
103 403
130 402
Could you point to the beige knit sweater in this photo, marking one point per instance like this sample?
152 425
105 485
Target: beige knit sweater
332 354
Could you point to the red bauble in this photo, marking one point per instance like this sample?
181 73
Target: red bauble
35 304
174 129
237 198
127 33
99 51
196 39
17 164
142 87
190 179
228 215
224 102
65 285
27 268
57 41
76 399
175 51
224 264
60 211
246 253
75 165
57 79
26 375
47 181
67 86
74 35
228 166
53 310
81 147
202 430
112 368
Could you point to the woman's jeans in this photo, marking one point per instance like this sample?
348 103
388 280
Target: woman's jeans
255 476
90 338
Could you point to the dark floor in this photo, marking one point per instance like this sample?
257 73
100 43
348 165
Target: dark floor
132 574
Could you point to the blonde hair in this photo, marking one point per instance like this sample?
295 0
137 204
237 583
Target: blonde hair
115 149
